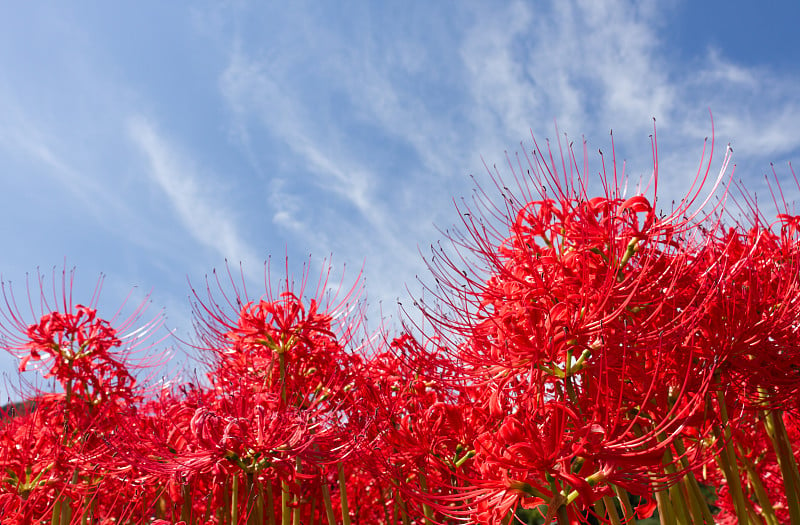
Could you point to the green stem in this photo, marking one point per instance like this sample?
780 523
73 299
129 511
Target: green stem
66 507
395 513
622 496
260 506
403 508
727 460
606 507
666 515
426 509
573 397
66 511
270 504
697 499
55 519
784 435
312 518
561 515
285 495
186 508
326 499
246 488
678 495
786 462
611 508
632 248
61 505
767 509
698 508
600 508
679 499
382 495
223 513
297 507
343 495
282 364
67 400
235 500
285 518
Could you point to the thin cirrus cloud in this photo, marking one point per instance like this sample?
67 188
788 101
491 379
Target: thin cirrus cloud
332 189
207 221
250 89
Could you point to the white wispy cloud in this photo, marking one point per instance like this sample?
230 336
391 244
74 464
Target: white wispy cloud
259 93
253 87
597 65
206 219
25 136
589 65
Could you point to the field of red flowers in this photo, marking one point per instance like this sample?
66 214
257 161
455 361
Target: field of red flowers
583 358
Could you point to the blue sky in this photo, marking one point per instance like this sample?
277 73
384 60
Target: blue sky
153 141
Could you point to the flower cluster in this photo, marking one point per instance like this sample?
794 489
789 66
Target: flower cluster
583 358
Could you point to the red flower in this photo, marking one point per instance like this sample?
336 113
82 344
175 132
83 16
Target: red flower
283 373
56 451
90 357
576 326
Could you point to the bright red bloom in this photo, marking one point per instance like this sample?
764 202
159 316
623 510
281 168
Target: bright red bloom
423 429
90 357
78 346
53 454
276 415
301 356
578 338
594 345
751 320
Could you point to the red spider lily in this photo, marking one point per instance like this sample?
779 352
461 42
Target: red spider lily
213 439
31 463
299 354
758 466
276 415
752 321
54 461
300 351
758 471
596 349
89 356
579 337
185 448
753 326
423 430
288 312
247 432
78 345
281 347
44 467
